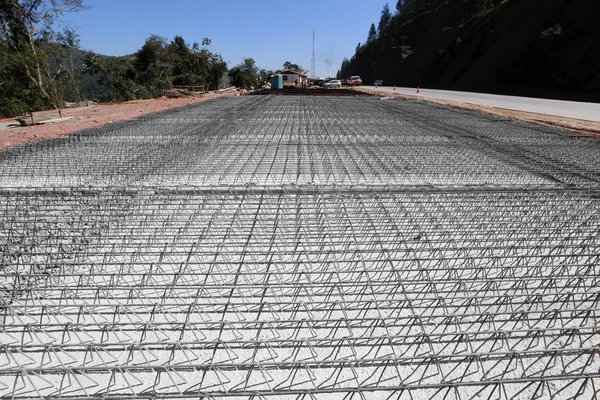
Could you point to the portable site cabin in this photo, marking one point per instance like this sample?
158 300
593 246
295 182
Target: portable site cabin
292 77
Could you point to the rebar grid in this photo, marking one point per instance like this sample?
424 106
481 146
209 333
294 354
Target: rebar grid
309 142
302 248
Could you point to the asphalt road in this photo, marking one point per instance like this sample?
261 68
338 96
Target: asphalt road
559 108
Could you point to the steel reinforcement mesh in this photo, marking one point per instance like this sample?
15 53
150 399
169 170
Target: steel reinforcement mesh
302 248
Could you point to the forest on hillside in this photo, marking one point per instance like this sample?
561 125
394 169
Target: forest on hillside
547 48
42 65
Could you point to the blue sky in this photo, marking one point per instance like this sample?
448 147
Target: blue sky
268 31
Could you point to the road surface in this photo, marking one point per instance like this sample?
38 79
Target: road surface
288 247
558 108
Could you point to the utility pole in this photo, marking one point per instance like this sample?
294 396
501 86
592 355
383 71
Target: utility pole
312 67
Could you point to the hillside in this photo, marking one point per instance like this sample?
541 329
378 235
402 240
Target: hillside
42 69
546 48
89 87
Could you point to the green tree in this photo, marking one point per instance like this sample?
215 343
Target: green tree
66 42
217 73
195 66
399 7
372 33
245 75
217 67
17 92
157 66
153 65
27 27
293 67
117 73
386 17
189 66
264 75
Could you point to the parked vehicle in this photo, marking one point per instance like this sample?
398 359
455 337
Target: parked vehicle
325 83
378 82
334 83
354 81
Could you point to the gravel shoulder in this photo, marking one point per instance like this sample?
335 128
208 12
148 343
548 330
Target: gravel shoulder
587 128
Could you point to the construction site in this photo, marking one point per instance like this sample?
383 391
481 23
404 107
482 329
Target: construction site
302 247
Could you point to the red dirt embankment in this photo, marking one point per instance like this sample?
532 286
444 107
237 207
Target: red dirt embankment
89 117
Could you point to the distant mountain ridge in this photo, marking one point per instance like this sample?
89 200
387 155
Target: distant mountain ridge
545 48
